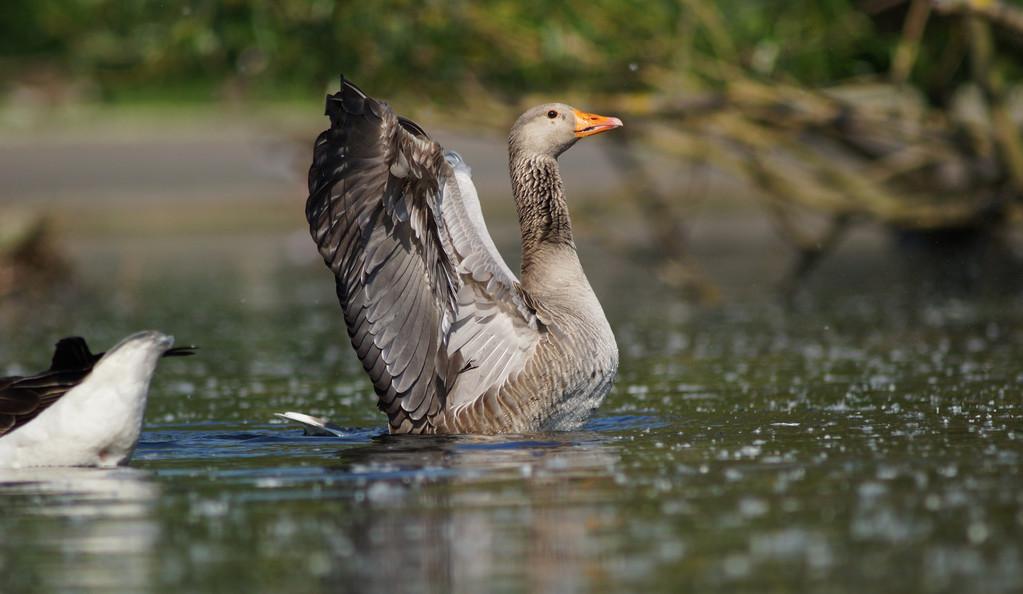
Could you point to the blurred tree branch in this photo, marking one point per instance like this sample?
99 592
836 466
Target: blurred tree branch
29 257
896 112
996 12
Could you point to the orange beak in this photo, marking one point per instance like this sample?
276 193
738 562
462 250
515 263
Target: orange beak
588 124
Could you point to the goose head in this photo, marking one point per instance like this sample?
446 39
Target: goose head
552 128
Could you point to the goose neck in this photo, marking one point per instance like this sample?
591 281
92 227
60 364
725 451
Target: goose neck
540 201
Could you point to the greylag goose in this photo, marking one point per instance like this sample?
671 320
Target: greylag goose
86 409
452 341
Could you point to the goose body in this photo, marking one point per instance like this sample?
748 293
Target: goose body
86 410
452 340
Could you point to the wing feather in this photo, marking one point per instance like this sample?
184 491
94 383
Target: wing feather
24 398
423 289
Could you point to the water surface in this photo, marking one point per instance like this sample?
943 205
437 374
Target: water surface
864 436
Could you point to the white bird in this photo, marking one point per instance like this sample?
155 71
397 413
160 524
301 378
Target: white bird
86 409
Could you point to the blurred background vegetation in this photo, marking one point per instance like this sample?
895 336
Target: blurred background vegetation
280 49
903 113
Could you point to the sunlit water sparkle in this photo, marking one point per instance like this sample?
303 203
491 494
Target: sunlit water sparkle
865 437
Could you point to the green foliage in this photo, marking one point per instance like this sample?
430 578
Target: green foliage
205 49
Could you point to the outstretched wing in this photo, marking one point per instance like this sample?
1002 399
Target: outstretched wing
386 209
495 328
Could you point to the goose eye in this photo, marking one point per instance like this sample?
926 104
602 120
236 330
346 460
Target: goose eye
552 114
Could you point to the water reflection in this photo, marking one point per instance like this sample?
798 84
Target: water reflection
90 528
864 438
471 514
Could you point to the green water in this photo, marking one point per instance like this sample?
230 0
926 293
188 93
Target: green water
864 437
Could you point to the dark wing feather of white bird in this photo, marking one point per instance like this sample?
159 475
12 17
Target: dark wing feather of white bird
23 398
434 313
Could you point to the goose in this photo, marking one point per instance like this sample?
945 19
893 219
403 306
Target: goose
452 340
86 409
